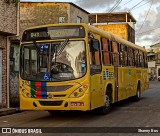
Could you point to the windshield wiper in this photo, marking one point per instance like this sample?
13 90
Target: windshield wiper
61 47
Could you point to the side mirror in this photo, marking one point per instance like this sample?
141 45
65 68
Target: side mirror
94 45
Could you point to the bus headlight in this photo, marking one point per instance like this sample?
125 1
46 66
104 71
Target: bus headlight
75 94
28 95
79 92
25 93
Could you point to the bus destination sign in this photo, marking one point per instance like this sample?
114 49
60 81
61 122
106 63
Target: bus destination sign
49 33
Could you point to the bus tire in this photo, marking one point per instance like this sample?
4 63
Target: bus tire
107 105
137 97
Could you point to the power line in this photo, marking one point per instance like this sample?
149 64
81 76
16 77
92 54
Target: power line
148 31
115 6
136 5
126 3
146 16
141 5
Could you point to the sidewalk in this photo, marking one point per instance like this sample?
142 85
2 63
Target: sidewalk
8 111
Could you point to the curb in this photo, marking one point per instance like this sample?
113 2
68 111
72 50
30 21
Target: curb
8 111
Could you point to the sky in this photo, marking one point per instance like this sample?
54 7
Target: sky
146 13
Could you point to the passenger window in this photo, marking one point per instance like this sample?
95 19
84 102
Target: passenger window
137 58
105 51
133 61
120 50
124 54
95 60
115 54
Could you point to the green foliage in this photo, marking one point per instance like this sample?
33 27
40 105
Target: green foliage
12 1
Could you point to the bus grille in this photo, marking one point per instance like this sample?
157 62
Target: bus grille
58 88
50 103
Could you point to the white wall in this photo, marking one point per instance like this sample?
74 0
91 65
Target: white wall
152 64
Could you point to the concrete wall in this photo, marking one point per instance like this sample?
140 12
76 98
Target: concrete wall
41 13
151 64
123 31
8 27
34 14
3 44
8 17
74 12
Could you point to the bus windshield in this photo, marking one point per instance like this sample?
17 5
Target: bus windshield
53 61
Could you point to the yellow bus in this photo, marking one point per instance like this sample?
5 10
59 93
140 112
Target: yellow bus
78 67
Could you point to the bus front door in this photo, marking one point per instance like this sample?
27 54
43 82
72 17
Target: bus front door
96 90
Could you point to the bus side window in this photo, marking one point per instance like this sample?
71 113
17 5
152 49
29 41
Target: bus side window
115 53
125 55
105 51
145 63
133 60
110 48
142 59
139 59
95 60
130 56
120 53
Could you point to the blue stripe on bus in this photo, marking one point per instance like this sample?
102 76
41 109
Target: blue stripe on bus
43 84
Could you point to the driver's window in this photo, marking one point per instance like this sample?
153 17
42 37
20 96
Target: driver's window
95 61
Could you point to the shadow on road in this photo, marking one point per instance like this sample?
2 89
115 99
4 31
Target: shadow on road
86 115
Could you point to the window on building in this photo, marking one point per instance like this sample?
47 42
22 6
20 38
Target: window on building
61 19
79 19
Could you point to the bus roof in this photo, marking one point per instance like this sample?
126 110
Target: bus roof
98 31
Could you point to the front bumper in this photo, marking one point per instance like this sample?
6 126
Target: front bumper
55 104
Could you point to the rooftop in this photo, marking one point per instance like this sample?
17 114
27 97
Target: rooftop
111 17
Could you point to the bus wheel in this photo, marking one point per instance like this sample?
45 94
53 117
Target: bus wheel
106 108
137 97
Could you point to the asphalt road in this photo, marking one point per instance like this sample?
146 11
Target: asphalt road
144 113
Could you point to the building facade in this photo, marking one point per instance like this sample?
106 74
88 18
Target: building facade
40 13
121 24
8 28
153 57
